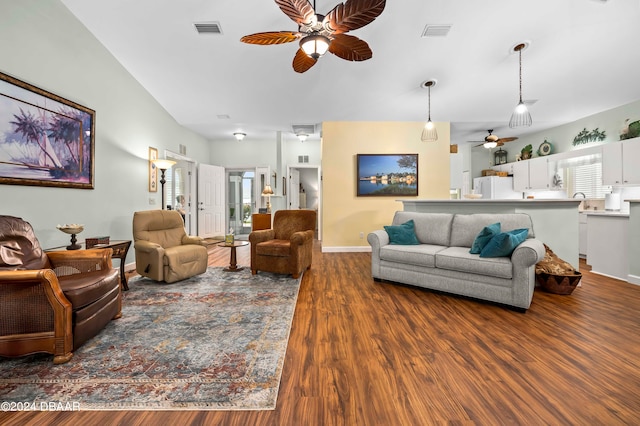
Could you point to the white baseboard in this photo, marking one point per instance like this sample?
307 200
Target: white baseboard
633 279
352 249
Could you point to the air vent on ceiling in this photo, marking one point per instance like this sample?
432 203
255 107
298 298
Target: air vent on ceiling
431 30
208 27
223 116
307 129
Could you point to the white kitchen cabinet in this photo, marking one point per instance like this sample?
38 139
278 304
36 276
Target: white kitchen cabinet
530 175
619 163
506 167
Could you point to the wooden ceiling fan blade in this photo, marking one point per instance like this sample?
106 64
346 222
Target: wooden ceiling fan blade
300 11
271 37
353 14
350 48
302 62
503 140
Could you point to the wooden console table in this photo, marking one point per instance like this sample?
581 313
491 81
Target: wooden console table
120 249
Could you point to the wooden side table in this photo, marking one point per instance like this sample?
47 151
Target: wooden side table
120 249
260 221
233 264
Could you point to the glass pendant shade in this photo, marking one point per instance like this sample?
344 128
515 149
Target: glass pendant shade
315 45
489 145
429 133
520 116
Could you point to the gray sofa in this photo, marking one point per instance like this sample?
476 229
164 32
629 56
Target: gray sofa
442 260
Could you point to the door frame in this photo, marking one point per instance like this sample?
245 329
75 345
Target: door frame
319 171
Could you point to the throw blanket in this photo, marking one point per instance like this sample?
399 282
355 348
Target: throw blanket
552 264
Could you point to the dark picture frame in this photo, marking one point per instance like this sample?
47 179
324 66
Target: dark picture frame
390 175
45 140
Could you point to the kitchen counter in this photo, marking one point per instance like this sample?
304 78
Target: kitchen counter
555 221
605 213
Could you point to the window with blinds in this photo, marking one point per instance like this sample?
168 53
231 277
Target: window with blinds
587 179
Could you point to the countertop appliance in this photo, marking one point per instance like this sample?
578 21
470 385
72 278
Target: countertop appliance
612 201
495 188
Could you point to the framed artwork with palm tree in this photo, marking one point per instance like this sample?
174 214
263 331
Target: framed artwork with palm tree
45 140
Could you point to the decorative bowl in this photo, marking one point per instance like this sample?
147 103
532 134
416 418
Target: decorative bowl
73 228
473 196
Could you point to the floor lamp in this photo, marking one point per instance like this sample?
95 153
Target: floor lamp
163 165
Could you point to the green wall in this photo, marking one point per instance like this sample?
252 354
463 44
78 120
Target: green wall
43 44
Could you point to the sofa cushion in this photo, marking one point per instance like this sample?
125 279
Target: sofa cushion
459 259
483 238
431 228
403 234
504 243
465 227
421 255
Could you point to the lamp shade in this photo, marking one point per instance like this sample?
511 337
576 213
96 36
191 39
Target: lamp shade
267 191
163 164
315 45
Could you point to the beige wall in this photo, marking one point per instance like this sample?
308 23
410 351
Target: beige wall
345 215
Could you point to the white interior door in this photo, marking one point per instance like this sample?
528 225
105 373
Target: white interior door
211 201
293 191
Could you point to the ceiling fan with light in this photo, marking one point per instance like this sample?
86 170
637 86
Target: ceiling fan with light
319 34
491 140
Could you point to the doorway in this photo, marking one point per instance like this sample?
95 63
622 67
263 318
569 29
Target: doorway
241 201
304 190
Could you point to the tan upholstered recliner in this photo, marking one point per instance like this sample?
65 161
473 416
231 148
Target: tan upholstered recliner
164 251
55 301
288 247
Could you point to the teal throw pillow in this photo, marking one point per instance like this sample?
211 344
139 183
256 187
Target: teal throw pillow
483 238
404 234
504 243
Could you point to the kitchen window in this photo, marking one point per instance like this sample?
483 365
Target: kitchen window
584 174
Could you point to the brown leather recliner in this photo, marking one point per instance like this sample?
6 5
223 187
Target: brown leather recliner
55 301
288 247
164 251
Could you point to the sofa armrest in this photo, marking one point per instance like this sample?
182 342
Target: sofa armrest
524 259
377 240
192 239
78 261
301 237
528 253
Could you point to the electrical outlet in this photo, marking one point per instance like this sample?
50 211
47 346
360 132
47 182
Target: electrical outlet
152 201
361 235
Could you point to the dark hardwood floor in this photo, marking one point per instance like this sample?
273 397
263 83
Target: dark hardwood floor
365 353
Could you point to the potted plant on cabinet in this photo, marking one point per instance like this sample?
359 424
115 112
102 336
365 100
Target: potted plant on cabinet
525 153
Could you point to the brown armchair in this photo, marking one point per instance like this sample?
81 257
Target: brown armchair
164 251
52 302
288 247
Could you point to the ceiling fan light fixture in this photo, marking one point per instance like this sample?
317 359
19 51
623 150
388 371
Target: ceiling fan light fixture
315 45
520 116
490 144
429 133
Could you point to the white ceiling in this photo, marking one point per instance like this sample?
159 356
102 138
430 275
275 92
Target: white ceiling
583 58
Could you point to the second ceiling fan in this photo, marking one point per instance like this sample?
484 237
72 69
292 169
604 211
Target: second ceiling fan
491 140
318 33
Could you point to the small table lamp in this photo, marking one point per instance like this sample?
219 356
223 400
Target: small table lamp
163 165
268 192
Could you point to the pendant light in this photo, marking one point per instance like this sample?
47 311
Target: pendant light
429 133
520 116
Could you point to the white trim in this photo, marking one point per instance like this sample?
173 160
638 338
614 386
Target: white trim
608 275
633 279
351 249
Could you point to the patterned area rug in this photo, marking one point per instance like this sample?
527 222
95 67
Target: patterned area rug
213 342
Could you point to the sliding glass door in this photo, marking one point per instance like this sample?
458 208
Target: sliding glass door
240 200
